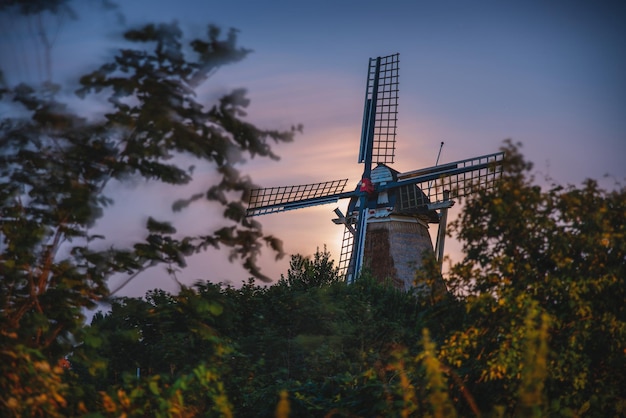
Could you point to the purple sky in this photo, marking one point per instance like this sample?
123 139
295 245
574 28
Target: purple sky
548 74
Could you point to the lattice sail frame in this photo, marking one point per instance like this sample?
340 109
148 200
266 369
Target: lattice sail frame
345 254
460 178
280 199
385 121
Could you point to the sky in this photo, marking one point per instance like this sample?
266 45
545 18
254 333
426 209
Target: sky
547 74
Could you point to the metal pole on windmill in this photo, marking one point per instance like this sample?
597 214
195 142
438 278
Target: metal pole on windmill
441 235
443 220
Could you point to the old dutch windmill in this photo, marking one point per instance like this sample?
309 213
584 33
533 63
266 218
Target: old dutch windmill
386 221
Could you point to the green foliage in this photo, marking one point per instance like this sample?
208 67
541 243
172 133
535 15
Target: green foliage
320 340
517 339
318 272
157 356
547 264
55 165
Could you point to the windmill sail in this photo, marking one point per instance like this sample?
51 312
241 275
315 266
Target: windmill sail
280 199
378 138
380 115
346 250
461 178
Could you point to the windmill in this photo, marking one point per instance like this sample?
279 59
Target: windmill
386 221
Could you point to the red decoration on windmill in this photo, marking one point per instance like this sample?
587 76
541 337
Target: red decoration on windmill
367 186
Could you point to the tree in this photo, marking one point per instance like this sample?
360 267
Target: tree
544 267
322 340
316 272
55 165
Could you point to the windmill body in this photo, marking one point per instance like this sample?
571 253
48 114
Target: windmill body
388 214
397 239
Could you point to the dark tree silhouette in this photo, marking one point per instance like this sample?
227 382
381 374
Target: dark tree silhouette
55 164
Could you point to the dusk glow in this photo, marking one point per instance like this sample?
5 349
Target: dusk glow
547 74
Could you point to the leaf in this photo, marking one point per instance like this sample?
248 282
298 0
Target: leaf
160 227
154 388
216 309
180 204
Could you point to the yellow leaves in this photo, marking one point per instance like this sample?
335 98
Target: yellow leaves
209 376
82 408
11 335
457 348
283 408
605 240
42 366
221 350
584 408
406 389
494 372
29 385
123 399
154 388
438 396
12 403
584 311
222 405
580 380
509 268
108 404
